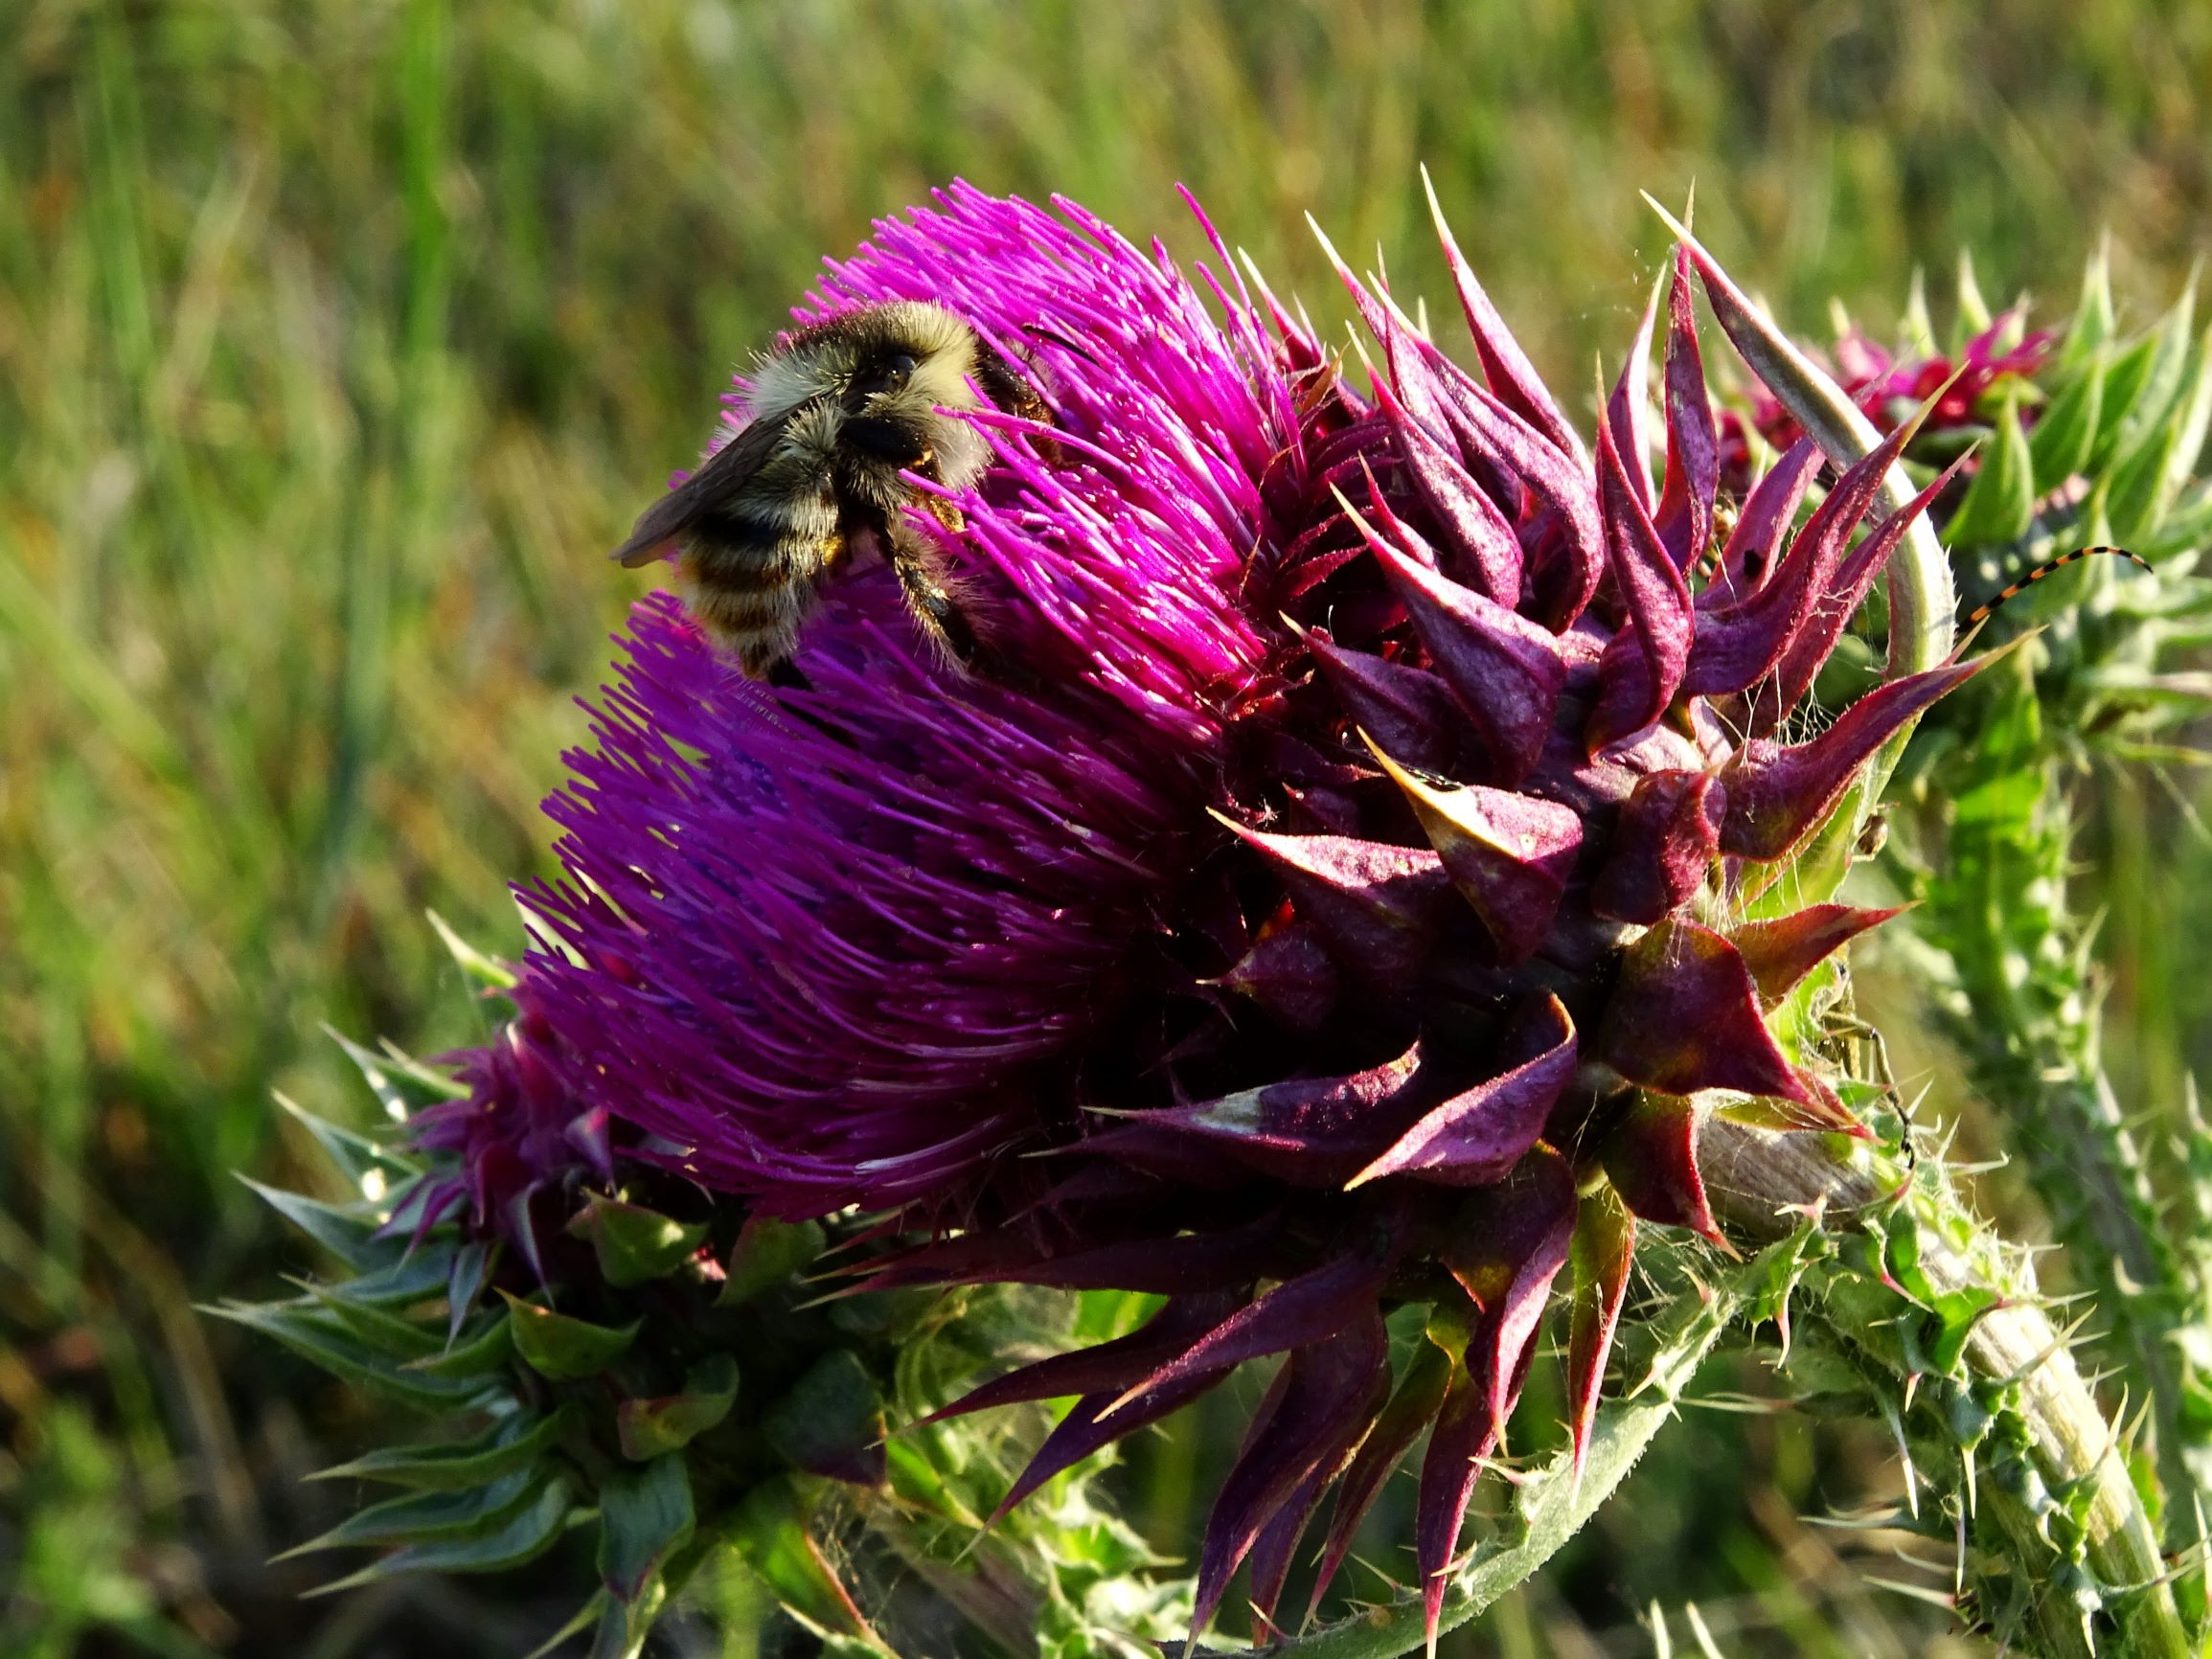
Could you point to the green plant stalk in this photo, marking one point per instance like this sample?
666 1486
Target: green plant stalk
2031 1041
1772 1180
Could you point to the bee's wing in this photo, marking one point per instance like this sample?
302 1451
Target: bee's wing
720 476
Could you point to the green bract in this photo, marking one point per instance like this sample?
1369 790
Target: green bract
604 1400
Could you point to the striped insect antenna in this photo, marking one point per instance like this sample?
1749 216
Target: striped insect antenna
1982 612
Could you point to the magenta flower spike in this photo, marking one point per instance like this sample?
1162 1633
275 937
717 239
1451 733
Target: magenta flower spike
1324 894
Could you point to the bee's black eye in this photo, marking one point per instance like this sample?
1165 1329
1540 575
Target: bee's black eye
885 374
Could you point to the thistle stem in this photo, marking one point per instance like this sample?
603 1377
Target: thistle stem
1762 1184
2032 1037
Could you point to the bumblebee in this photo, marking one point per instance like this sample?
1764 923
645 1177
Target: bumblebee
811 483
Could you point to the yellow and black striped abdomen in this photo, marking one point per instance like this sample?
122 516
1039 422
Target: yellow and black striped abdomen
753 561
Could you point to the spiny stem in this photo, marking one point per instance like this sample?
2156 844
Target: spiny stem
1764 1182
2021 1012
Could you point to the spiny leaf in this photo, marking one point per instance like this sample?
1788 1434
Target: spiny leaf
2161 382
1604 1245
469 1268
634 1245
2186 531
647 1428
768 1253
769 1530
1916 328
624 1626
416 1277
465 1512
403 1340
315 1333
514 1443
369 1166
2000 504
2094 323
831 1421
1974 313
482 1354
2148 478
580 1621
402 1086
347 1231
644 1514
2125 370
484 969
2066 432
531 1531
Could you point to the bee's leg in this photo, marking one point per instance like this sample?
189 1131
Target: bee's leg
786 675
933 608
929 594
930 599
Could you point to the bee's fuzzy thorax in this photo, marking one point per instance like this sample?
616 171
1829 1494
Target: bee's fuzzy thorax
787 380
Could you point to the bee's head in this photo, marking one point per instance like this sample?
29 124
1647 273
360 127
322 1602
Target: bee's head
902 365
903 360
891 370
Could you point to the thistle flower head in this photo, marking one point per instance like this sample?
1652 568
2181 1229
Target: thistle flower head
1353 876
1891 388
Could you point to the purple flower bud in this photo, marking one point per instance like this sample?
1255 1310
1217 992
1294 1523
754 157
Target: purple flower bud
521 1136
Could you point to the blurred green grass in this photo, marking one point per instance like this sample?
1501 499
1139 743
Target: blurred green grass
338 340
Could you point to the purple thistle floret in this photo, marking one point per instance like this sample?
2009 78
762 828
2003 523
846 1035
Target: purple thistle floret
819 936
1334 888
